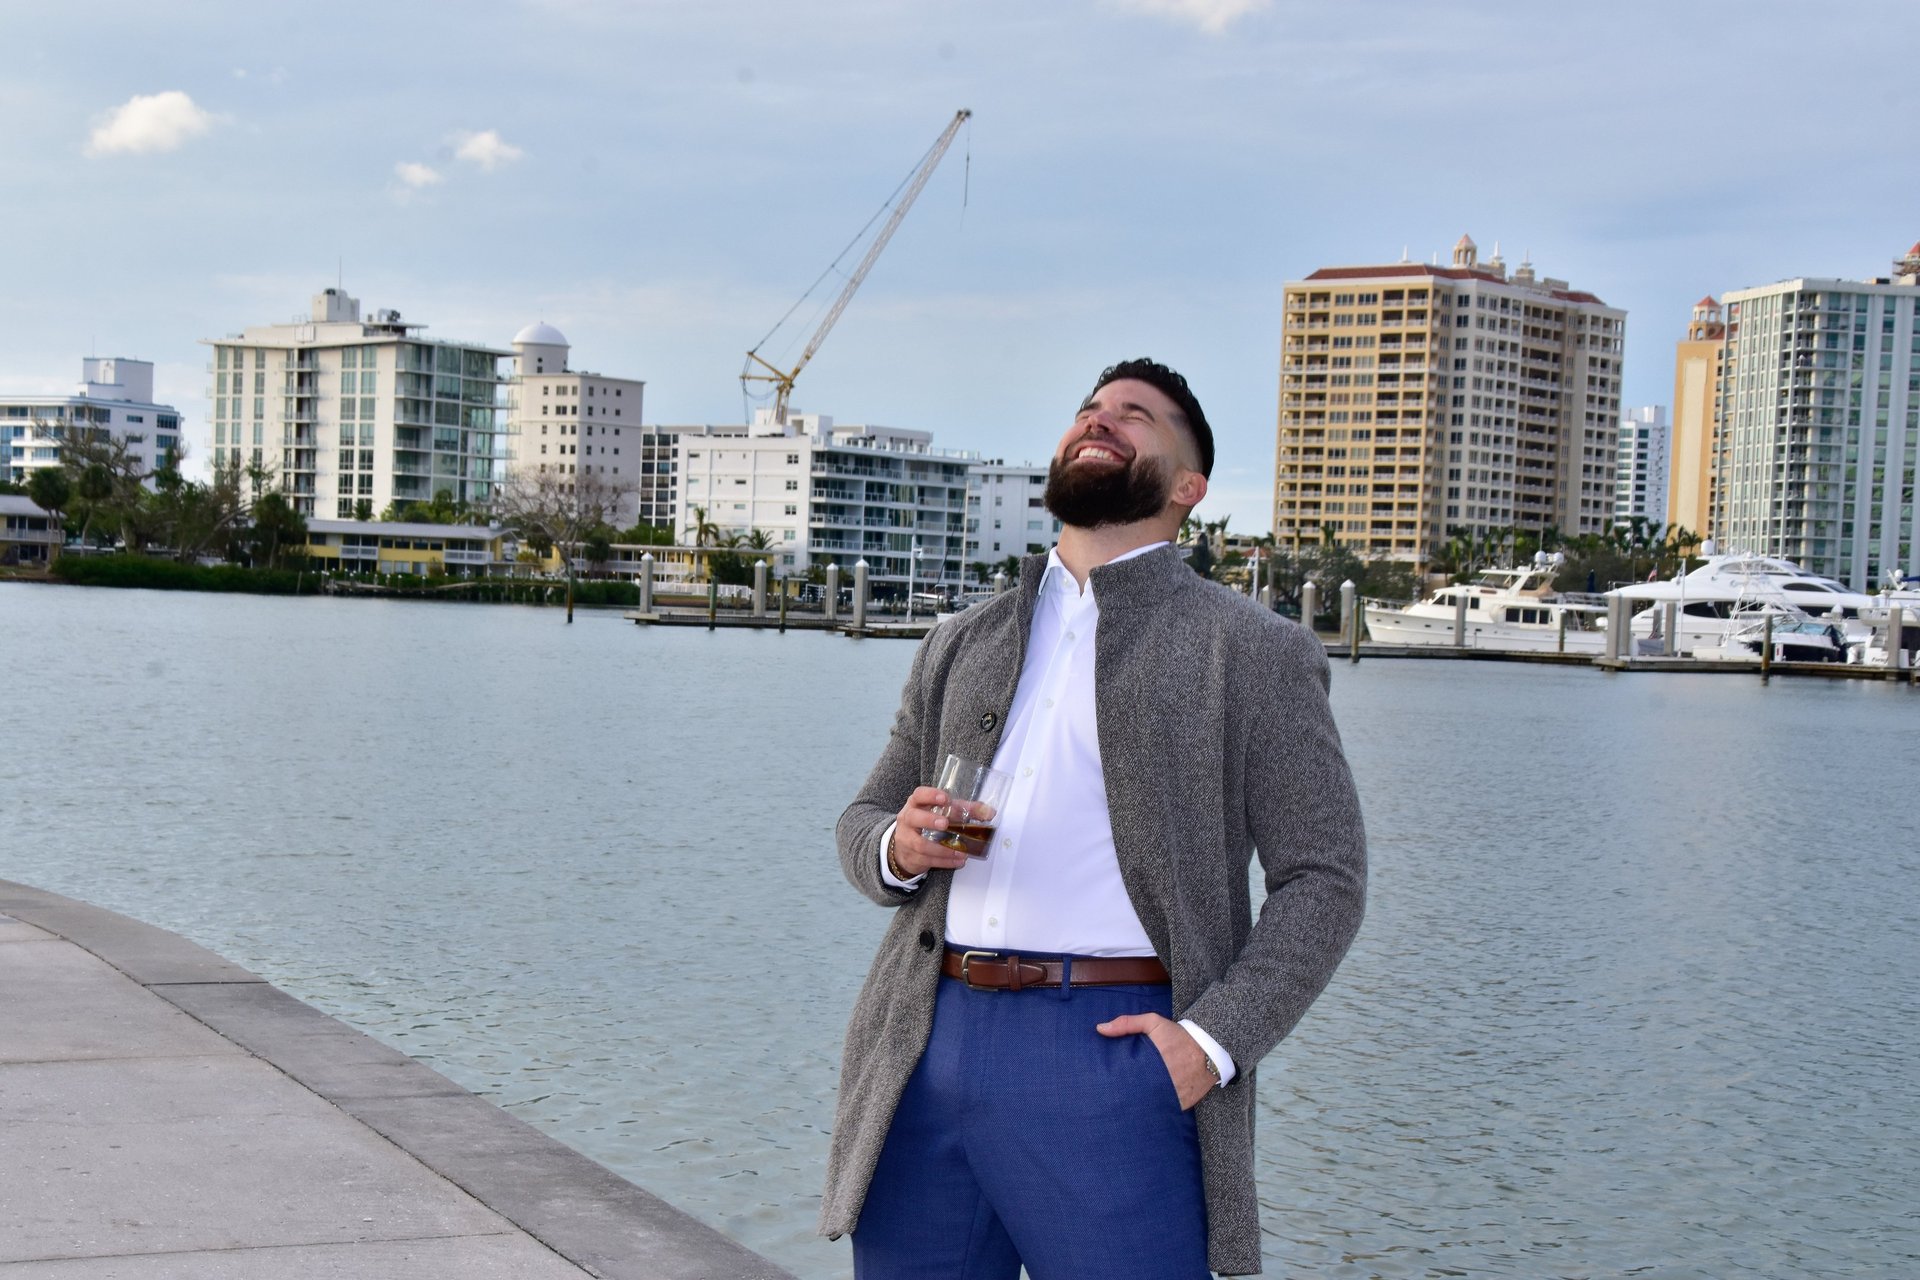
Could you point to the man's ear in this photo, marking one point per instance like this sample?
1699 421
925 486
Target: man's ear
1189 489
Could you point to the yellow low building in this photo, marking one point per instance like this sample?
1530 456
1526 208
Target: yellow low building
422 550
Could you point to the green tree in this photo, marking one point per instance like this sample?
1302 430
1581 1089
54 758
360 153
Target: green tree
49 489
645 533
277 528
597 546
193 519
363 509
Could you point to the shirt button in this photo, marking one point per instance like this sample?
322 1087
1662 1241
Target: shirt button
993 921
1047 702
1071 636
1027 772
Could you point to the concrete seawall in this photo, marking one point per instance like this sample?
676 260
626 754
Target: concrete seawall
169 1114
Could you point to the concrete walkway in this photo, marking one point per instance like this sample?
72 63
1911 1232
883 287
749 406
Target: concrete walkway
165 1113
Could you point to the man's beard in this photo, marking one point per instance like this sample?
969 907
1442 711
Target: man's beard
1094 497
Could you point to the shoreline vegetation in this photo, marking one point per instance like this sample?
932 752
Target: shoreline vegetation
153 574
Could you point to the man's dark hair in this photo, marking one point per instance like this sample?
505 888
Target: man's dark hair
1173 387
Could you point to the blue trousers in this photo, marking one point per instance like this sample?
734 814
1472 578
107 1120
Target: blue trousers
1025 1137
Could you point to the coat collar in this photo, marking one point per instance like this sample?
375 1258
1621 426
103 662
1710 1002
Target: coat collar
1122 582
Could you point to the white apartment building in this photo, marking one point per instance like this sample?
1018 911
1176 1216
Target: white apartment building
351 415
1005 512
585 423
1640 476
1819 442
827 494
115 396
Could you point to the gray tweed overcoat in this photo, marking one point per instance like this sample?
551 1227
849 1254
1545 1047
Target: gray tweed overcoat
1216 741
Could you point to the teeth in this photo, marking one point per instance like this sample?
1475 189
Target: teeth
1095 451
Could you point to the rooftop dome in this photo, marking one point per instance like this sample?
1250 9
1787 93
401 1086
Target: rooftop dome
541 335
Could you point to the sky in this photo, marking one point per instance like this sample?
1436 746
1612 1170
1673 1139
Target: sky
663 180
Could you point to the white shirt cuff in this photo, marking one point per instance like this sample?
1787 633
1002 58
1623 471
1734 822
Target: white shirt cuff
886 872
1212 1049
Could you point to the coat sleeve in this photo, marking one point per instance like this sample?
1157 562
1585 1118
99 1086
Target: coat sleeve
887 787
1304 817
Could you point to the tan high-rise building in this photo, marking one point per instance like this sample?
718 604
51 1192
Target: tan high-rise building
1699 376
1416 399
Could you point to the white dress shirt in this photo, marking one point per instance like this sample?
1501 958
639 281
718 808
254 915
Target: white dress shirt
1050 883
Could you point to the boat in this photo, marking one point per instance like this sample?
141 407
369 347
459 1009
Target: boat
1732 592
1791 639
1507 610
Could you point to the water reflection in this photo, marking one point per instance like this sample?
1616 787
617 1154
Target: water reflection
1635 992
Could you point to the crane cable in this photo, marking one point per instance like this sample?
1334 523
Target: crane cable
834 266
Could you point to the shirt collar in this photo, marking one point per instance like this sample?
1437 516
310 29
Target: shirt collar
1059 578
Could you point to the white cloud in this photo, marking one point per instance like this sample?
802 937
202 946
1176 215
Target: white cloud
1211 16
150 122
416 176
486 149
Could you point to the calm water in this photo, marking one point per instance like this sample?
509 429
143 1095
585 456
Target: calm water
1637 992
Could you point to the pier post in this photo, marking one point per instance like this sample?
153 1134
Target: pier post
783 604
646 583
1350 619
860 595
1671 645
1766 651
760 589
1896 631
1460 619
713 600
999 581
1310 604
1617 634
833 592
1560 639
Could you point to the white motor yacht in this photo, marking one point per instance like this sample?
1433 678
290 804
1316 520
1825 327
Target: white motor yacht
1510 610
1732 591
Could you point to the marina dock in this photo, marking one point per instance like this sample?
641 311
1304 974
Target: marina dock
1339 650
172 1116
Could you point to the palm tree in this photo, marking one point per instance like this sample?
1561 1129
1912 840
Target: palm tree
705 534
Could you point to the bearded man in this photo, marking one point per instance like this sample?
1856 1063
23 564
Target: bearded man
1051 1063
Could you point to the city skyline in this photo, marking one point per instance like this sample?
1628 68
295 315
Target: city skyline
661 183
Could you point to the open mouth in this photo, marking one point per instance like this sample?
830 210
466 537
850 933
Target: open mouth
1095 451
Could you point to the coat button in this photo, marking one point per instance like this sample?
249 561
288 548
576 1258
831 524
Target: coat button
989 720
926 939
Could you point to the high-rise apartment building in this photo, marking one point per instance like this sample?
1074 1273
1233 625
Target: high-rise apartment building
1005 512
1415 399
1699 371
1819 444
1640 474
115 397
827 494
578 423
351 415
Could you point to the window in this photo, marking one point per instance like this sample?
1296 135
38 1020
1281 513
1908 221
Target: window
793 486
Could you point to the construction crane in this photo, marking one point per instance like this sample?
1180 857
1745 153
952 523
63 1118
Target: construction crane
782 379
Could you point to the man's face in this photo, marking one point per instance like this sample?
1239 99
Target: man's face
1120 460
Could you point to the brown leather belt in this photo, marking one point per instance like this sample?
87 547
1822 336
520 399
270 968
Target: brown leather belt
1000 971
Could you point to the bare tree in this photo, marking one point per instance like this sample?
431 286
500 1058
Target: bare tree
557 509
